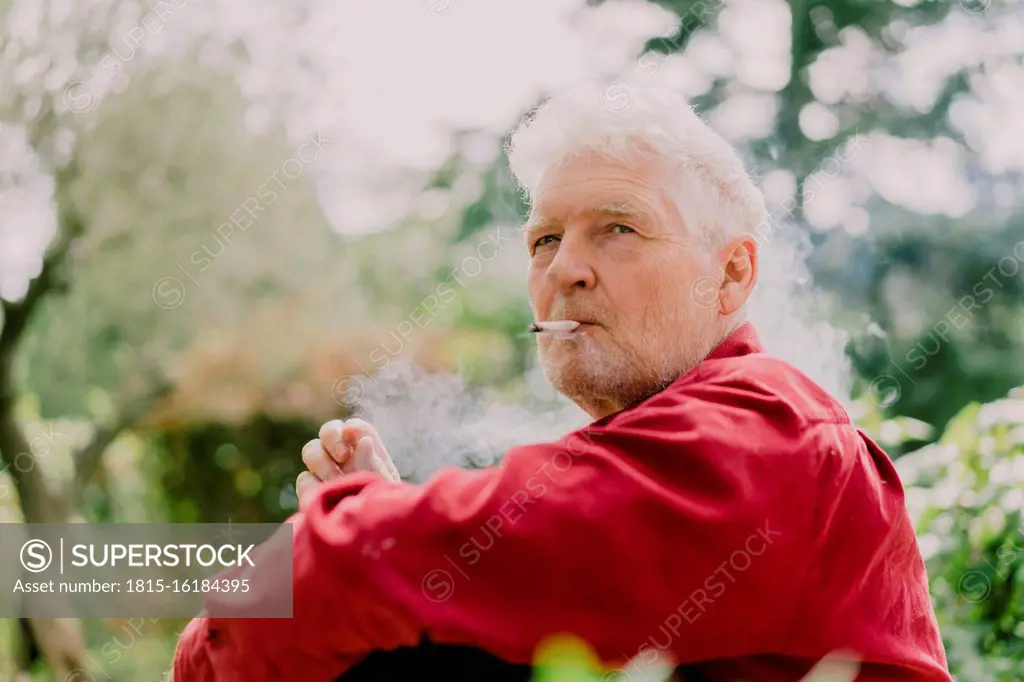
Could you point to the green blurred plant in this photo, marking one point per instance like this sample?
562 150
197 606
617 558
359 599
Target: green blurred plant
568 659
966 494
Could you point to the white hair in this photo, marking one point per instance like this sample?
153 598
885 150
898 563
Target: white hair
716 196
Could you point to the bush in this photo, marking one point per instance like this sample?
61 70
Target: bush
966 494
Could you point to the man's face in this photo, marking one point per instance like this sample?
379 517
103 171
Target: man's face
608 247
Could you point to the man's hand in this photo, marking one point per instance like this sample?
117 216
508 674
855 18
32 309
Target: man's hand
343 448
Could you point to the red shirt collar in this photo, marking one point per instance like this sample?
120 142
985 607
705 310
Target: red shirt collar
742 341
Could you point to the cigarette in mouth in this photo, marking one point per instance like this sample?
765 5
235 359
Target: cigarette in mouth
554 326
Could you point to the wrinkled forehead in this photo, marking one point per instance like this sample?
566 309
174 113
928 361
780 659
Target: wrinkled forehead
639 188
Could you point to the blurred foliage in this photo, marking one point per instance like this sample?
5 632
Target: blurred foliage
966 494
126 650
565 658
246 472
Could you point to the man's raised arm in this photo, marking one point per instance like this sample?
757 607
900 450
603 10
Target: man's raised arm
613 534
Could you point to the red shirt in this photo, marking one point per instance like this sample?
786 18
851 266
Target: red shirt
736 521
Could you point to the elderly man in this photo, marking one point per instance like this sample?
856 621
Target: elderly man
720 512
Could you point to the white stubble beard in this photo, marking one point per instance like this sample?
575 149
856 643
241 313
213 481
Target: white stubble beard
589 373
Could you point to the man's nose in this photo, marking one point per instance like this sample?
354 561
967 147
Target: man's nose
572 266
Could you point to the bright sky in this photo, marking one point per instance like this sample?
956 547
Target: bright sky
396 77
404 77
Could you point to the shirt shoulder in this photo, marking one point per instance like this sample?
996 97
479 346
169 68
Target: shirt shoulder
760 409
762 382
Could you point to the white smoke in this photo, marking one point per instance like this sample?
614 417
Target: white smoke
431 420
791 315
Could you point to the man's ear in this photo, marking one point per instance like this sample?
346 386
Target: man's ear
738 260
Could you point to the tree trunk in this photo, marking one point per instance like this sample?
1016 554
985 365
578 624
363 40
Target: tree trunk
60 640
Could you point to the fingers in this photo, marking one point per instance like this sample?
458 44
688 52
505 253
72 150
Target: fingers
340 442
323 467
387 469
304 486
319 463
364 455
390 471
340 439
356 429
333 443
367 459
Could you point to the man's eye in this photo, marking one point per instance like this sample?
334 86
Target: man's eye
542 241
623 229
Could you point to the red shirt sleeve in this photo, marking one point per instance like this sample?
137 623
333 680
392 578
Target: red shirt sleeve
675 517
